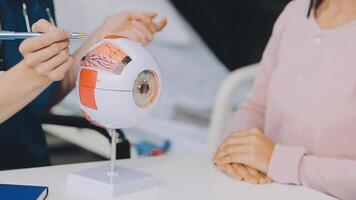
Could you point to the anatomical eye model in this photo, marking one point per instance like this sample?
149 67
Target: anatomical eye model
118 85
108 57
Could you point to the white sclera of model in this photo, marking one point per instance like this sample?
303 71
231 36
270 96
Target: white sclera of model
122 100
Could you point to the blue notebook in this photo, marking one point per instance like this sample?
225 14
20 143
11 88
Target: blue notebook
22 192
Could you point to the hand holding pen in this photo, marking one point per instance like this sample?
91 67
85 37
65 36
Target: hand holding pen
48 54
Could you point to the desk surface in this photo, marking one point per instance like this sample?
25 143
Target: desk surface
191 177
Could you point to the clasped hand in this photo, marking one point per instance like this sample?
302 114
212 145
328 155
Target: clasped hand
245 156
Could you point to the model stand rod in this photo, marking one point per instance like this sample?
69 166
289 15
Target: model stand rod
114 136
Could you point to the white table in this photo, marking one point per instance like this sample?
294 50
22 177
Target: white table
191 177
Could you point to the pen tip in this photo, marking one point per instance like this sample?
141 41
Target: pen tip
80 35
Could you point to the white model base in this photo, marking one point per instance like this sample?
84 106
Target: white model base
97 182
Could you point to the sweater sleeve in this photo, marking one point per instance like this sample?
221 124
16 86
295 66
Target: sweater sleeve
336 177
251 114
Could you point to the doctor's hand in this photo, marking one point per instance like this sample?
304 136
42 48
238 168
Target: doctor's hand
139 26
48 54
250 148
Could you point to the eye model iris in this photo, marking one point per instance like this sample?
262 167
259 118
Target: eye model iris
145 90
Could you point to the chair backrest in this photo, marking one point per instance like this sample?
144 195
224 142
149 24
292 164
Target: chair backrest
223 107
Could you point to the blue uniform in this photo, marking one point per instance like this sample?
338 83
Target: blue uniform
22 140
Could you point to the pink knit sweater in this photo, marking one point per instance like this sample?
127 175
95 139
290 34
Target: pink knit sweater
304 99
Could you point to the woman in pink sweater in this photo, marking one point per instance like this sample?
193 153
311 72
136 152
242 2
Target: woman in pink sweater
298 124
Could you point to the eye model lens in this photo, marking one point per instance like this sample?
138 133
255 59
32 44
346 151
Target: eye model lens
145 89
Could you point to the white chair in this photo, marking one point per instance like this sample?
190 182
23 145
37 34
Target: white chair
223 106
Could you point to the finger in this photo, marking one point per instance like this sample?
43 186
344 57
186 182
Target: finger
268 179
242 158
234 135
140 16
265 179
231 149
143 29
239 170
36 43
58 73
151 15
215 158
150 25
220 167
231 172
45 54
141 36
41 26
262 180
245 140
48 66
242 170
240 140
228 170
255 174
160 25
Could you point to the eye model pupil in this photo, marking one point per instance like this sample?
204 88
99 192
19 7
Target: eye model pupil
144 88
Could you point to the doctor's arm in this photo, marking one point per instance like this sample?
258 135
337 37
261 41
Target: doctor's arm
139 26
46 59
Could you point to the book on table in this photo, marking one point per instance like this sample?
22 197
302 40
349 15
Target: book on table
23 192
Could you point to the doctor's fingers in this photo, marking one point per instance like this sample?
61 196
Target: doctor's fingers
143 18
37 43
149 23
46 67
144 29
151 15
58 73
140 36
161 24
42 26
38 57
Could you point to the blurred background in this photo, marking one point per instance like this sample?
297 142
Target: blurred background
204 41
